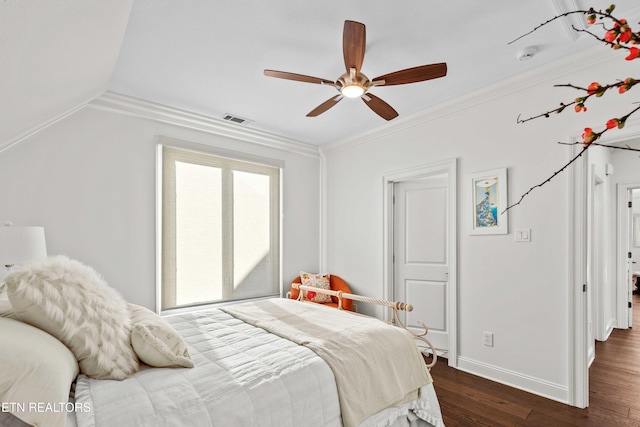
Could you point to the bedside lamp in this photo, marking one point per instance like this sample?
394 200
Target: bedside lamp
20 245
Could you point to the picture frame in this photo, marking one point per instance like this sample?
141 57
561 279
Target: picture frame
489 200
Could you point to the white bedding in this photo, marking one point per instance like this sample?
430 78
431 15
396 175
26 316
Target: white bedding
375 365
243 376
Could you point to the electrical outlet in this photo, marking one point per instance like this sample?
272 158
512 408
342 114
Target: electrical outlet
487 339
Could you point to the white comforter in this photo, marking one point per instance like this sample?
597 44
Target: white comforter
243 376
376 365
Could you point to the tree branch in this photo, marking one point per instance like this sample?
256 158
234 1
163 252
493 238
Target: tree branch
620 36
626 147
600 14
634 37
584 12
548 179
599 144
596 136
580 100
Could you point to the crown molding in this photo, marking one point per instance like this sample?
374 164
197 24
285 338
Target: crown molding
570 21
134 107
590 58
40 127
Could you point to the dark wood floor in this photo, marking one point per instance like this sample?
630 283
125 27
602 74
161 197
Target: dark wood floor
614 392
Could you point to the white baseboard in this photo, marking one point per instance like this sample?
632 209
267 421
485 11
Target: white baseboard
610 327
591 356
514 379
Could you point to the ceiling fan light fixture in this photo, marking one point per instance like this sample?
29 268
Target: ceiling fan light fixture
354 84
352 91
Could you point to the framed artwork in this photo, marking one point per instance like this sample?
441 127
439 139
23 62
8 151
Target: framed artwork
489 191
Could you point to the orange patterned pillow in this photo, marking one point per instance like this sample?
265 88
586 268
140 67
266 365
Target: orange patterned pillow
317 281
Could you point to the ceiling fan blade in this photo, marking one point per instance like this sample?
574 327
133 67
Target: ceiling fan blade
380 107
297 77
354 40
324 106
414 75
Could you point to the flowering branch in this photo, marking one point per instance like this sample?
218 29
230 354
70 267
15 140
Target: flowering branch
599 144
579 102
567 165
547 180
618 36
592 17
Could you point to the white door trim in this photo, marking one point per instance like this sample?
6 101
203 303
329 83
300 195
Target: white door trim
597 258
578 183
423 171
623 233
578 363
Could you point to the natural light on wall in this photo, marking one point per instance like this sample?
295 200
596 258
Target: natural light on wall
250 227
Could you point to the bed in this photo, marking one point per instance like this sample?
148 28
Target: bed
275 362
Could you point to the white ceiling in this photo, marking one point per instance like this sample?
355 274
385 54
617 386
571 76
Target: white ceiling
55 56
208 56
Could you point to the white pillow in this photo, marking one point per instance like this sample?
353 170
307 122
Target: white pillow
155 341
6 309
70 301
35 369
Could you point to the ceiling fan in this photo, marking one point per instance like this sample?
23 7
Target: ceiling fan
354 84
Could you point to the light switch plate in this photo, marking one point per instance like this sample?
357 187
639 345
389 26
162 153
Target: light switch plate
487 339
523 235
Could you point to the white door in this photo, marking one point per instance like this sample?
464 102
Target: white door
595 265
632 266
628 264
421 265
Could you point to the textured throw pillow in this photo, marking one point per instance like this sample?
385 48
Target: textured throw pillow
6 309
317 281
35 369
155 341
70 301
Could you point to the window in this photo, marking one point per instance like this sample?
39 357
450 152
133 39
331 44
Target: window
220 229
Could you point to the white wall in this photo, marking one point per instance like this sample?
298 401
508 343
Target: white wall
518 291
90 181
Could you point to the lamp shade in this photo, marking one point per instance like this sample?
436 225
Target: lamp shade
19 245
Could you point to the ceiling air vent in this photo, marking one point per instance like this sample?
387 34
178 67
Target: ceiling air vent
236 119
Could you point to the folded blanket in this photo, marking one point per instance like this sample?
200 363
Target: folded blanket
376 365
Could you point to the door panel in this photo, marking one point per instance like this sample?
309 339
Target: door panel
421 245
425 221
429 304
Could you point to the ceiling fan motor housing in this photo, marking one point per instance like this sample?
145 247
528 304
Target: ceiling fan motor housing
353 85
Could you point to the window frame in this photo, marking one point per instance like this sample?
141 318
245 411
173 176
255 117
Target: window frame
169 149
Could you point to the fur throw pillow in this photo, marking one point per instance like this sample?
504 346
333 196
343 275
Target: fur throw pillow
72 302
